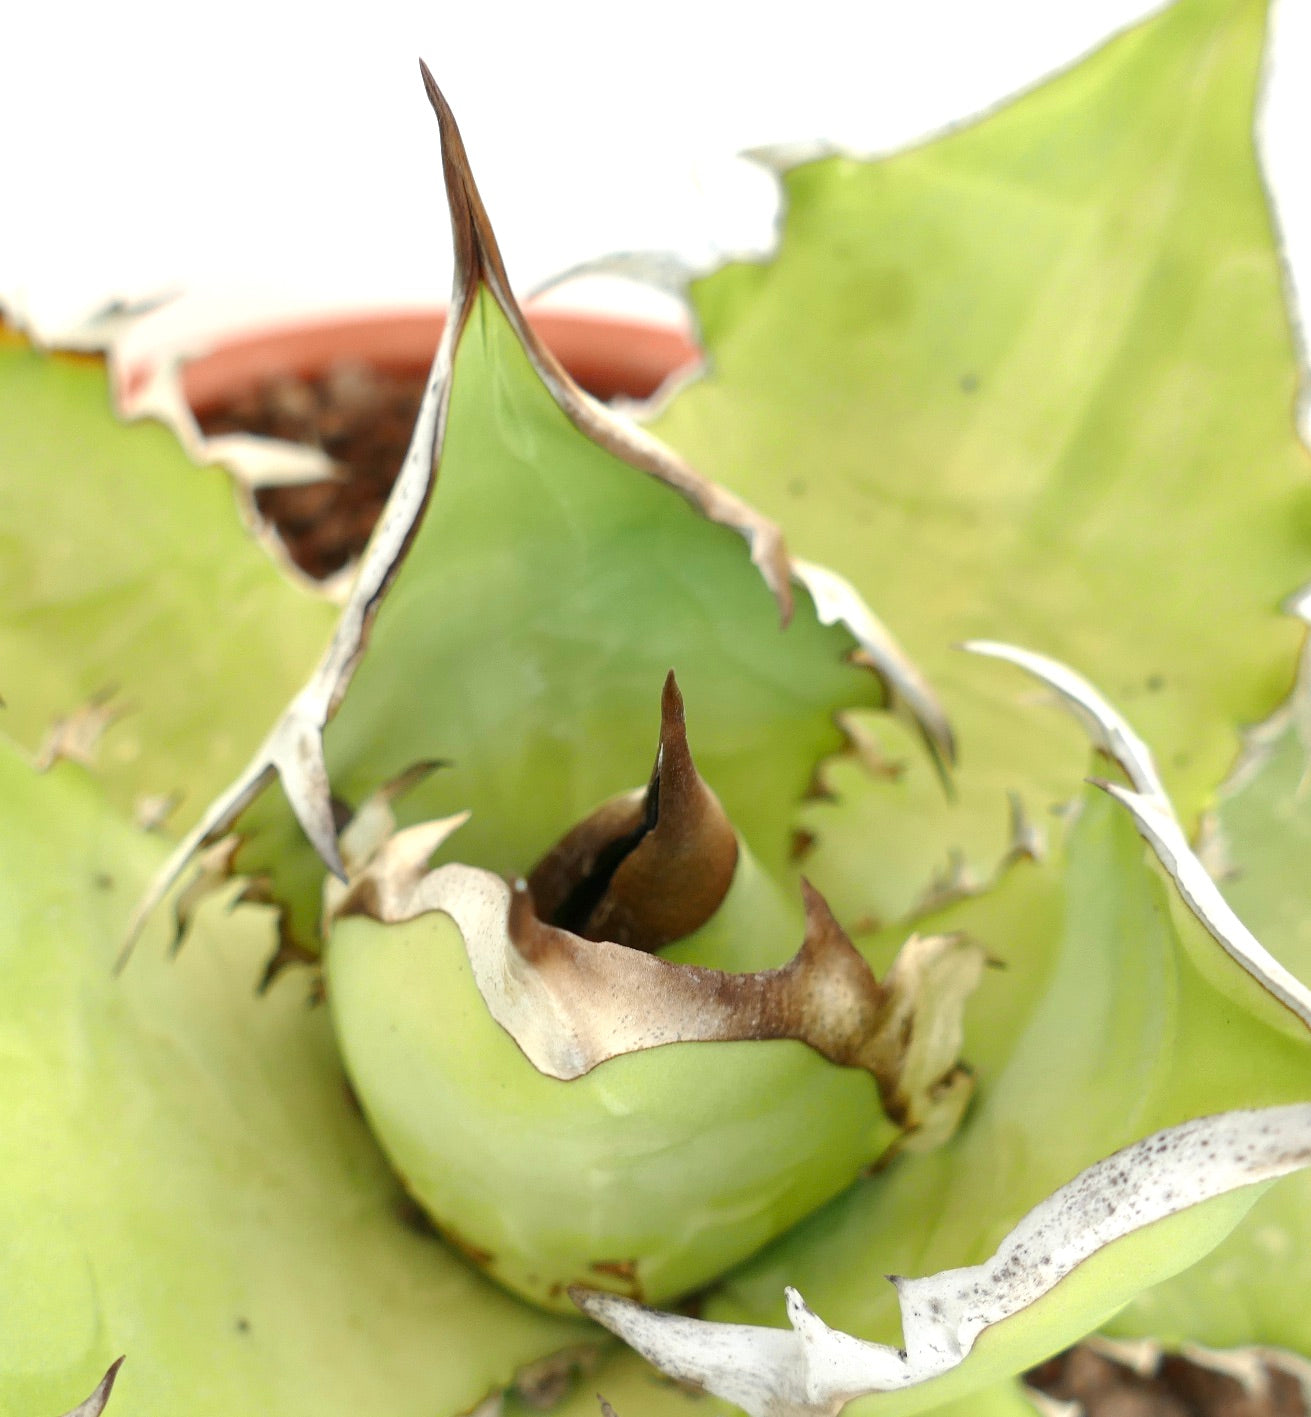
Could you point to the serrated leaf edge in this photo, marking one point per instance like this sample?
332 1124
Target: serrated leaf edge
293 750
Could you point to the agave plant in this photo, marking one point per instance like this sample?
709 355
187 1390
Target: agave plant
449 1038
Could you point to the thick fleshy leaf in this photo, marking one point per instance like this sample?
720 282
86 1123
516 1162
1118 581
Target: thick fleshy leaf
186 1179
1034 1290
653 1172
1261 982
521 625
1032 380
446 984
126 571
1249 1289
1263 826
569 1001
1131 1017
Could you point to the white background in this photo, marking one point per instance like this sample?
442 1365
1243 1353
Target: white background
264 156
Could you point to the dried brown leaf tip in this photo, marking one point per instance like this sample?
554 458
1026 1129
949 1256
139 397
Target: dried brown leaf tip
649 867
95 1404
478 262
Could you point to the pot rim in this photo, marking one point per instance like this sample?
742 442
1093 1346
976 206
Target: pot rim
609 355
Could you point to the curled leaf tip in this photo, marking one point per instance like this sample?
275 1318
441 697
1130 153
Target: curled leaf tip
1148 803
1108 729
94 1405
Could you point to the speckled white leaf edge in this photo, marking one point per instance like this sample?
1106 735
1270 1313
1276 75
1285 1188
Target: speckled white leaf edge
813 1370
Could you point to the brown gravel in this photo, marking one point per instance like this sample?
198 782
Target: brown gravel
1178 1388
361 418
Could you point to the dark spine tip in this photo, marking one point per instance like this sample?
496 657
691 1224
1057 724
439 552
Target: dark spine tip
671 703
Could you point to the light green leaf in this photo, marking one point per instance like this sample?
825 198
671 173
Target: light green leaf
590 580
1042 371
517 616
1033 380
186 1178
1122 1033
1264 834
1247 1290
124 568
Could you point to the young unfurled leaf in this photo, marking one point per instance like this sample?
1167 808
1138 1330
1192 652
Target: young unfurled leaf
422 965
646 868
576 986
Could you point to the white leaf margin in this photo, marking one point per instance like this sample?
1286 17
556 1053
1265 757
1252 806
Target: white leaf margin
1155 818
813 1370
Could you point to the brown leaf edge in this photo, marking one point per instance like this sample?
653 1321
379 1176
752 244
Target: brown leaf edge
571 1003
293 750
95 1404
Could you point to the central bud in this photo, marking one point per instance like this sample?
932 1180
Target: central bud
649 867
571 1107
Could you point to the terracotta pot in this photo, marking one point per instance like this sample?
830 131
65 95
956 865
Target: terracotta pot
325 524
607 355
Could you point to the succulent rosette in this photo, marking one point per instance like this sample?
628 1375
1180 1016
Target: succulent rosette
594 909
